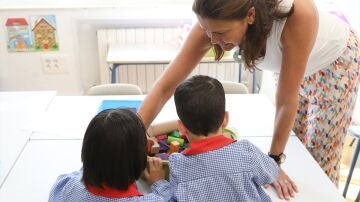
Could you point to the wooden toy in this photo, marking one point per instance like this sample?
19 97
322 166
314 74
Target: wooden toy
175 133
162 127
149 143
183 136
164 147
161 137
174 147
155 147
171 139
163 156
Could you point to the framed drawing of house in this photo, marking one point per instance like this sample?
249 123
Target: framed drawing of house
44 33
18 33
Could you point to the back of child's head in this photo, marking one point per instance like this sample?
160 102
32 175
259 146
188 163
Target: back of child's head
114 149
200 104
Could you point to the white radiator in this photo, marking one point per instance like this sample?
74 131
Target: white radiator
145 75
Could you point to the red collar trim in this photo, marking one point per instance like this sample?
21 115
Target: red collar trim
109 192
207 144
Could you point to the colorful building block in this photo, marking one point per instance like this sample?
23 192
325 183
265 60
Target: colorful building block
149 144
174 147
161 137
163 156
171 139
182 136
155 147
175 133
164 147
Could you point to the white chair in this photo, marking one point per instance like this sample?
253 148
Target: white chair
234 87
115 89
353 130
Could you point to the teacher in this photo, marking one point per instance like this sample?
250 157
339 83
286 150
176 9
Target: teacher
316 57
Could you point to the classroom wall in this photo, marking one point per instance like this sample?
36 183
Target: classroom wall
77 38
350 8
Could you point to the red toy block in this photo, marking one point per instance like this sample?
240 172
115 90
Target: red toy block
183 136
150 143
161 137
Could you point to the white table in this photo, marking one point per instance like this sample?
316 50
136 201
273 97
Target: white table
313 184
68 116
42 161
149 54
16 110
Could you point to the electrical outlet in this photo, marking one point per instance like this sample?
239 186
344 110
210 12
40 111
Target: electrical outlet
54 64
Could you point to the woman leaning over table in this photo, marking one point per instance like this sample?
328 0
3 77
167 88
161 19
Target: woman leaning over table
316 55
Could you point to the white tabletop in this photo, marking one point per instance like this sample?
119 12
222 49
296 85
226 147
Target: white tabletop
42 161
313 184
68 116
16 110
252 115
147 54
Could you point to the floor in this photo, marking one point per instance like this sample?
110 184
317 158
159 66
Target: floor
354 186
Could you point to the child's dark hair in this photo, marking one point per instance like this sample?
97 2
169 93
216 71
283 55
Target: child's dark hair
200 104
114 149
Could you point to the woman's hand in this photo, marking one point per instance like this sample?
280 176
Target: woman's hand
284 186
154 171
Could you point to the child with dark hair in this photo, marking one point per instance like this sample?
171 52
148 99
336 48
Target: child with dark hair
114 156
214 167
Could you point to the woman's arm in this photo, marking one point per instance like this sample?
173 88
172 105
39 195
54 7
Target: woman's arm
194 48
298 38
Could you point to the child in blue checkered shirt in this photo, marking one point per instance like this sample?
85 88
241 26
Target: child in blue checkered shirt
214 167
113 155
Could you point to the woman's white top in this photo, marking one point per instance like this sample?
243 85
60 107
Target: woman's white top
331 41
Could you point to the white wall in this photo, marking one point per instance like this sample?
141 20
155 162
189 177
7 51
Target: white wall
23 71
350 8
77 39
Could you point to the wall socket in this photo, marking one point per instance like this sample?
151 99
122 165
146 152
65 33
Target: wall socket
54 63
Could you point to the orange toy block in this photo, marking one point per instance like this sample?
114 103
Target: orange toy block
174 147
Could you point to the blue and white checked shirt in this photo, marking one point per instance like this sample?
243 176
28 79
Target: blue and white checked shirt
233 171
69 188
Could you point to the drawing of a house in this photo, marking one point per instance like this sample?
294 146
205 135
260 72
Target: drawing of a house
44 35
18 34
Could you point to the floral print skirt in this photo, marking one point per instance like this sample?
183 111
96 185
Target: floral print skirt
327 100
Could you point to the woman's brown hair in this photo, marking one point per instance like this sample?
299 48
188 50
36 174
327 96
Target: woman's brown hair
266 12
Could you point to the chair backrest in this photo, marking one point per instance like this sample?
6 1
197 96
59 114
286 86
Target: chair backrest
234 87
115 89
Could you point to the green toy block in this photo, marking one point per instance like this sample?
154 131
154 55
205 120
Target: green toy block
179 140
175 133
